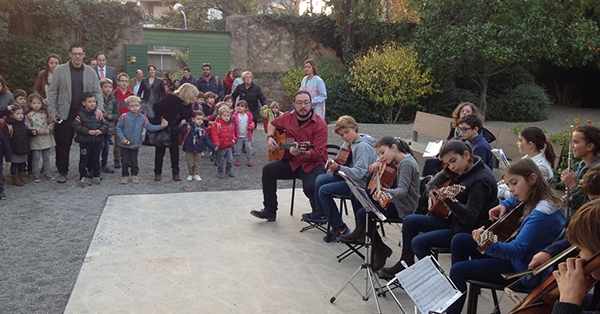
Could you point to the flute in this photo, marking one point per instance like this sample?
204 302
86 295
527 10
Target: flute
569 165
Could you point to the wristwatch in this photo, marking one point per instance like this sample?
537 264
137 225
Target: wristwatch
270 136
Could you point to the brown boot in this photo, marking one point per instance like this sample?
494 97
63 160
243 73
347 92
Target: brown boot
356 236
16 181
388 273
23 177
380 254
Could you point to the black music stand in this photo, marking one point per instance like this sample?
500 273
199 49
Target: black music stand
363 197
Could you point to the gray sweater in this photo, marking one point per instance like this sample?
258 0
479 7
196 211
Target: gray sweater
6 99
406 193
363 155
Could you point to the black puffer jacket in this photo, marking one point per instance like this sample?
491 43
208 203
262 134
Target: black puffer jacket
251 95
86 121
19 140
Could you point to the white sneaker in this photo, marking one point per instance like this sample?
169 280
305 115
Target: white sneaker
197 178
190 177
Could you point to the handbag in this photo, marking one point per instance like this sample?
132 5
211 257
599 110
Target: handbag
160 139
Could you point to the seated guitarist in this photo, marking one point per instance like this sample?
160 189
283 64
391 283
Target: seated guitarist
303 125
357 167
542 221
469 210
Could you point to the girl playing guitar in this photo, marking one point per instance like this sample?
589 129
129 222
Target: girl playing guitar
404 194
542 222
469 209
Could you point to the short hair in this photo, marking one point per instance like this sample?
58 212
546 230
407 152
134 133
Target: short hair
590 183
133 99
236 72
101 53
472 120
210 95
344 122
87 95
227 97
274 105
186 69
242 103
206 64
313 64
90 60
121 75
196 113
583 229
76 45
200 94
19 93
247 73
218 105
223 110
186 91
151 66
303 92
105 81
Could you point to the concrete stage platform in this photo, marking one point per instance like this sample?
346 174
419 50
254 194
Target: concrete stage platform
204 253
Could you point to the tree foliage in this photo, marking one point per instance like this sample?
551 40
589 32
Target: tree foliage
31 29
391 76
483 39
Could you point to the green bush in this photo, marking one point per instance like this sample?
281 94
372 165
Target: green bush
444 103
524 103
341 100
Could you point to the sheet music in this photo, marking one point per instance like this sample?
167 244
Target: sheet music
499 153
362 196
433 149
427 286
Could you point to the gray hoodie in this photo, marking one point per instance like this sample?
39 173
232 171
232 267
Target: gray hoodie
363 155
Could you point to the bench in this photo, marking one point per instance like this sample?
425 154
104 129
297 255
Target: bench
507 141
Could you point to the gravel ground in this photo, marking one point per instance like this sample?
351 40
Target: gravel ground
46 228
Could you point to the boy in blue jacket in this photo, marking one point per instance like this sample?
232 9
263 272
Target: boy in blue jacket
90 132
129 136
196 139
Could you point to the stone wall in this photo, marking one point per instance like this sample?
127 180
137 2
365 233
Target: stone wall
268 51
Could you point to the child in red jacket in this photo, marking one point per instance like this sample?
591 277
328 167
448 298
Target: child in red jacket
223 136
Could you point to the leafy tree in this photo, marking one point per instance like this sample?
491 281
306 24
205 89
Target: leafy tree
483 39
390 76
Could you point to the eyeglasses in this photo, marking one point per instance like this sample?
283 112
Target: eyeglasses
302 102
465 129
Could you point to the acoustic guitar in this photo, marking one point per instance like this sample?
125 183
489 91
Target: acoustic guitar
439 209
284 144
342 158
385 177
502 230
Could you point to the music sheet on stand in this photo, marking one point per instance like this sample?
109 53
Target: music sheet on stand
427 286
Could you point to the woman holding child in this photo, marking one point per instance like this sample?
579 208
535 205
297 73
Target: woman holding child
174 108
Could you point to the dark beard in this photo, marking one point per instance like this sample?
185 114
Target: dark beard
304 117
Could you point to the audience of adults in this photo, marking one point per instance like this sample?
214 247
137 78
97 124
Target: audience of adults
209 82
315 86
69 81
251 93
173 108
6 97
152 88
42 83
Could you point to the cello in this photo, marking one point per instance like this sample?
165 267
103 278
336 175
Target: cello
541 300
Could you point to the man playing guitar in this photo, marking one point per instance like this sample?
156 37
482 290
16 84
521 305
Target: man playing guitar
302 125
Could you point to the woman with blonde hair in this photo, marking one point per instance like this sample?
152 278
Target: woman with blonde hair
174 108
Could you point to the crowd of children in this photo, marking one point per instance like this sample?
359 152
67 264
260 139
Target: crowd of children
26 134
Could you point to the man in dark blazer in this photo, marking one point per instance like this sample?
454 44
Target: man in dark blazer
104 70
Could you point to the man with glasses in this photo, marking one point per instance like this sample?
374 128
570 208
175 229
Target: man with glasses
469 127
209 82
305 162
69 81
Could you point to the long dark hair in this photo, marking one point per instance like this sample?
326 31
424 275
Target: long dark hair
539 190
388 141
50 56
538 138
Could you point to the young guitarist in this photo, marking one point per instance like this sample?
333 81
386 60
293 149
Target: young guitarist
359 152
542 221
301 125
468 209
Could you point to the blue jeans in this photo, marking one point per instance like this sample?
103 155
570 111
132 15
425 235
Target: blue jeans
327 185
420 233
481 267
105 149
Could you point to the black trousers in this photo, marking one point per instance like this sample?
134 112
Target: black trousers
129 160
281 170
89 156
159 154
63 135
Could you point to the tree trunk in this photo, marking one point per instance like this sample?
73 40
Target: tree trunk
485 79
